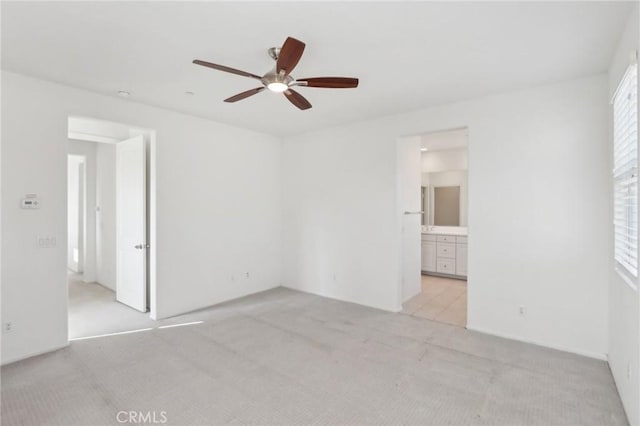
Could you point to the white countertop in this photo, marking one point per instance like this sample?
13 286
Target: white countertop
444 230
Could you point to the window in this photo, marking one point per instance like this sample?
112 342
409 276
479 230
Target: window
625 174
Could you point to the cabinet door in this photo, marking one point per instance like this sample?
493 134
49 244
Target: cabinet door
461 259
429 256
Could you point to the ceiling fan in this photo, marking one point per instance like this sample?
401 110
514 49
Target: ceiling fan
279 79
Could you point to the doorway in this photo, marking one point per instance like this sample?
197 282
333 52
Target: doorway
111 285
441 211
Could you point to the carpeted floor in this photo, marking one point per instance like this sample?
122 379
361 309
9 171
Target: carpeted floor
285 357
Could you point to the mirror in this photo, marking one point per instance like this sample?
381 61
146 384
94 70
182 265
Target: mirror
444 198
446 206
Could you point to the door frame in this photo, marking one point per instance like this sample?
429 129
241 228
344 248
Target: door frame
150 136
81 199
408 208
400 206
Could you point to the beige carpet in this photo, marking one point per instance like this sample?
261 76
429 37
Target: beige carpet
285 357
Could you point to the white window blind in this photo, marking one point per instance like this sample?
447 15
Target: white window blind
625 172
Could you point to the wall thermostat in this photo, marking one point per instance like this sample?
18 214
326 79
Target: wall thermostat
30 201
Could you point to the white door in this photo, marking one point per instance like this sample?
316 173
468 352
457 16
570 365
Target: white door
409 171
131 219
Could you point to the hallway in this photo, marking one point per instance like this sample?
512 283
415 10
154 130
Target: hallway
93 310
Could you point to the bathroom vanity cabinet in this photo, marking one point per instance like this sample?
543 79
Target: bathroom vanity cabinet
444 255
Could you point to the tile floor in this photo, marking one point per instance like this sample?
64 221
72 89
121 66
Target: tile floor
442 299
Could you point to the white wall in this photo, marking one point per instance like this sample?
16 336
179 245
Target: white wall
624 316
538 229
88 150
99 262
89 129
106 215
440 161
74 215
341 236
218 208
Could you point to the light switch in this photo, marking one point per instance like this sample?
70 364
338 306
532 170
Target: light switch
30 201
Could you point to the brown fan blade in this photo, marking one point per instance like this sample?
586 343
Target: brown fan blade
330 82
297 99
226 69
289 55
243 95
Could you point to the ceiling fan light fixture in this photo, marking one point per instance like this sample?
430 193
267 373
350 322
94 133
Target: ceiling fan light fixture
277 87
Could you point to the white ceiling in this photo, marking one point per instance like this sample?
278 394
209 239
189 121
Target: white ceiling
408 55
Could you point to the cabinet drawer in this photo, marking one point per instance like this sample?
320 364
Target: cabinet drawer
446 250
427 237
446 239
461 240
446 266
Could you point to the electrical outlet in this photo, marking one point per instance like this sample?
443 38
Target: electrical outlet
7 327
522 311
46 242
246 275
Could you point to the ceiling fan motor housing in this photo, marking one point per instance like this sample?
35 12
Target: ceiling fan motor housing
275 77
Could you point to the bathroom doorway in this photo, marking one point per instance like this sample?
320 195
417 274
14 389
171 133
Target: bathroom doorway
442 292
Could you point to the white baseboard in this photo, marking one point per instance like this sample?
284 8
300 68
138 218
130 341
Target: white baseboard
394 309
31 355
210 304
598 356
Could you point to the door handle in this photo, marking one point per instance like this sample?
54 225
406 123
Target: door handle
141 246
413 212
